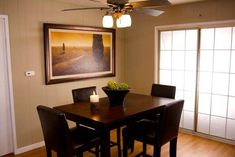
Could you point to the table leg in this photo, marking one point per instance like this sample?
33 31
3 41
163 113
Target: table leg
105 143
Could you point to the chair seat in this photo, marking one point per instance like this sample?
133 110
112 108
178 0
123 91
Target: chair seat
144 130
84 138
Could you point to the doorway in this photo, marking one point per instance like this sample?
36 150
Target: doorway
6 101
200 63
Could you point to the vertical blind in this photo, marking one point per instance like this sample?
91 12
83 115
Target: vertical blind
203 72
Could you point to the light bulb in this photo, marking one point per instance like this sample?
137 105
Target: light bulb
124 21
108 21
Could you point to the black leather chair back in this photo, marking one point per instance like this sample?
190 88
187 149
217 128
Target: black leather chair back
163 91
55 131
83 94
169 122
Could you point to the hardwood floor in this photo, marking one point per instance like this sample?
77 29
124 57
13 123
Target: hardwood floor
188 146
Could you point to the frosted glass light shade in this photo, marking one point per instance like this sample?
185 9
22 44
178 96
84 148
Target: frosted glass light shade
124 21
108 21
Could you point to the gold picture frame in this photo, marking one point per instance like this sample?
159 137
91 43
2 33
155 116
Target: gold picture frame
78 52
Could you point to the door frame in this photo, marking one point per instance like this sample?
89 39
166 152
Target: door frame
10 83
199 25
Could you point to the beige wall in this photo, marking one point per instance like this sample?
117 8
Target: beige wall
134 52
139 55
26 18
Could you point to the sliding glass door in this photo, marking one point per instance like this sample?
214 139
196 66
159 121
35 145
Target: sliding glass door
216 103
178 56
210 64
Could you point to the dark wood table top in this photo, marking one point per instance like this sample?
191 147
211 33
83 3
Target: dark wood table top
136 106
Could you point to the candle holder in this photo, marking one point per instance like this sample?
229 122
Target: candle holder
95 107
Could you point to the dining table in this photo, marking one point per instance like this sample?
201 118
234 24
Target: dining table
104 117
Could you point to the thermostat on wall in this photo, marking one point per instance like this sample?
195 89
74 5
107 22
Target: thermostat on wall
29 73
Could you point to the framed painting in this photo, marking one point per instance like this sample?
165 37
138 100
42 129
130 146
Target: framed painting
78 52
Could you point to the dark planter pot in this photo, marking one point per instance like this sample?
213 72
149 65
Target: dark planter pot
116 97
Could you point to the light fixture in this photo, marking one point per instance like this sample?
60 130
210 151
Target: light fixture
120 14
124 21
108 21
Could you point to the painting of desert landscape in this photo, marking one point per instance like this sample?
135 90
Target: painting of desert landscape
80 53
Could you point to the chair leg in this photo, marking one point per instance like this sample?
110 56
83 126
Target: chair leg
125 144
48 152
97 151
144 149
173 147
132 145
119 142
156 151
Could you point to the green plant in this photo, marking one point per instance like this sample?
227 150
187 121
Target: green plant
115 86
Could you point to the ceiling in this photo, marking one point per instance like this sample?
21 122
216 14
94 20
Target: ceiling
100 3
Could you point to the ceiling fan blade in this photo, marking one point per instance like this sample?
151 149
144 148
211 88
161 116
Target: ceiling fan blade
117 2
88 8
97 1
148 11
150 3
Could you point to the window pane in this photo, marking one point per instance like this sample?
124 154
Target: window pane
178 40
166 38
219 105
220 83
232 85
233 47
206 60
190 60
203 123
217 126
165 76
207 38
230 129
223 38
179 94
221 61
188 121
233 62
178 79
205 80
191 39
190 81
204 103
231 108
165 60
178 60
181 119
189 101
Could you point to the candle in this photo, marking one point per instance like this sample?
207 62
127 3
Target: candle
94 98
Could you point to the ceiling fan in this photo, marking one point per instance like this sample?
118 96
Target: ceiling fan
120 9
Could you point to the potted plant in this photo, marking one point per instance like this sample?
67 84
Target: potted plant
116 92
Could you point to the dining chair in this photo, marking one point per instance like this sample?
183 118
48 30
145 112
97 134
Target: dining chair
165 91
156 134
66 142
83 94
159 90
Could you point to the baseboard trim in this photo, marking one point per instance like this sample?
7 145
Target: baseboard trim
210 137
29 147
